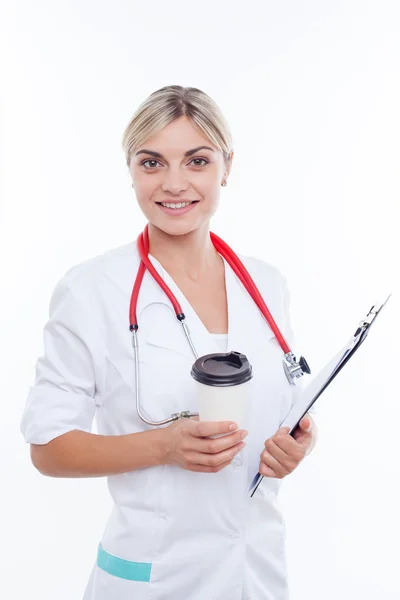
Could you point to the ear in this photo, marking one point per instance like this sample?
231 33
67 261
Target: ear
229 165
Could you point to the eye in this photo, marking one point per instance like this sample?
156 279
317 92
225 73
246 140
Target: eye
205 161
149 160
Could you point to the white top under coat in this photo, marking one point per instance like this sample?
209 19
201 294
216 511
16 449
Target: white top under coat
222 340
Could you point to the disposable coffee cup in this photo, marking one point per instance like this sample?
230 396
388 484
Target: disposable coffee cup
222 385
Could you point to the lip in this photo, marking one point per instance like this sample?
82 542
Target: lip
178 211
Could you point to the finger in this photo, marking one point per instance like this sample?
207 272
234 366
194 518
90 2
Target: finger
294 450
213 460
283 430
286 463
281 455
302 437
213 446
203 469
207 428
275 465
267 471
285 442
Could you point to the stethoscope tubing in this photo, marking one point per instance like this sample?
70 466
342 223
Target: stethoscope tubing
234 262
293 369
246 279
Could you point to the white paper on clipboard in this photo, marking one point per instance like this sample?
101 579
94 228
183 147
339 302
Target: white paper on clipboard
318 385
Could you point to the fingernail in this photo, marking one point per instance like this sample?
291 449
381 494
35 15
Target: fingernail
232 426
244 435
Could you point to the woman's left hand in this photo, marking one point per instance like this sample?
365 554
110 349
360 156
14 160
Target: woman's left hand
283 453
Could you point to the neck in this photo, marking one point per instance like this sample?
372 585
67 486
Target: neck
189 255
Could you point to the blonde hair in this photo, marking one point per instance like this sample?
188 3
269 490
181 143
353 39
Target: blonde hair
168 104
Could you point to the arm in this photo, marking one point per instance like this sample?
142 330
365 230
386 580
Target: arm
61 405
184 444
81 454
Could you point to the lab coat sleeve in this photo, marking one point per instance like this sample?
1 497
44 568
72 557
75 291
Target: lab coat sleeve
62 398
289 335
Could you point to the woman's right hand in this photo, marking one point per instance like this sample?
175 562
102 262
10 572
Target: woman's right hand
189 446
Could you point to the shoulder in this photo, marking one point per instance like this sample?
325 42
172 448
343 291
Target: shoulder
101 264
274 289
263 272
91 276
271 282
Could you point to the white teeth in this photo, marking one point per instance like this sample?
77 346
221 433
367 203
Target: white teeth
175 204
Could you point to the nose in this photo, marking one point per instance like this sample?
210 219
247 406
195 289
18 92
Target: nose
174 182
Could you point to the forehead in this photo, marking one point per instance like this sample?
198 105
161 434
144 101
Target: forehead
177 137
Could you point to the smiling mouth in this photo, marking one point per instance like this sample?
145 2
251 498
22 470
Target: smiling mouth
176 205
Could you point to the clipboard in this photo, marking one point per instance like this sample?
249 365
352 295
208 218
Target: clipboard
318 385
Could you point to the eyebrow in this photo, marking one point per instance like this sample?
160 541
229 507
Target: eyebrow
188 153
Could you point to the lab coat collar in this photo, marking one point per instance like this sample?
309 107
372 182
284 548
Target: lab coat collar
247 329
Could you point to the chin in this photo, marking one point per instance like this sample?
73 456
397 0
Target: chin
177 226
181 228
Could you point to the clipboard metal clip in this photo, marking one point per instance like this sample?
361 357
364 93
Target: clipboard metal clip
371 316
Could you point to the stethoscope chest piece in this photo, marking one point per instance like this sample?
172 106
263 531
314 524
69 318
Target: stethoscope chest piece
294 369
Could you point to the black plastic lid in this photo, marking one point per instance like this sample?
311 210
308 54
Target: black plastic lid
222 370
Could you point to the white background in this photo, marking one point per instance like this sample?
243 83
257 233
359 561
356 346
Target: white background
311 92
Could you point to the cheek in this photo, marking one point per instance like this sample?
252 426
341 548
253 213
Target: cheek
210 191
144 187
144 190
207 182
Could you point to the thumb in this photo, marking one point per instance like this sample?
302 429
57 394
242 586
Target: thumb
305 424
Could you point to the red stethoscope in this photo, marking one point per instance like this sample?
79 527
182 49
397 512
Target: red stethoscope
293 369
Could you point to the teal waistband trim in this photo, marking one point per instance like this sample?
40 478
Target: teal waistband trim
125 569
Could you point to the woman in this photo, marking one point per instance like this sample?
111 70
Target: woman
183 526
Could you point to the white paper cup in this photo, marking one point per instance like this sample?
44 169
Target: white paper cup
222 385
223 403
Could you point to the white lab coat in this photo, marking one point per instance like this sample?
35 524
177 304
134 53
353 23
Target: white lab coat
199 533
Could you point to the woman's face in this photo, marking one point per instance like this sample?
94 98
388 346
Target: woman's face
176 166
